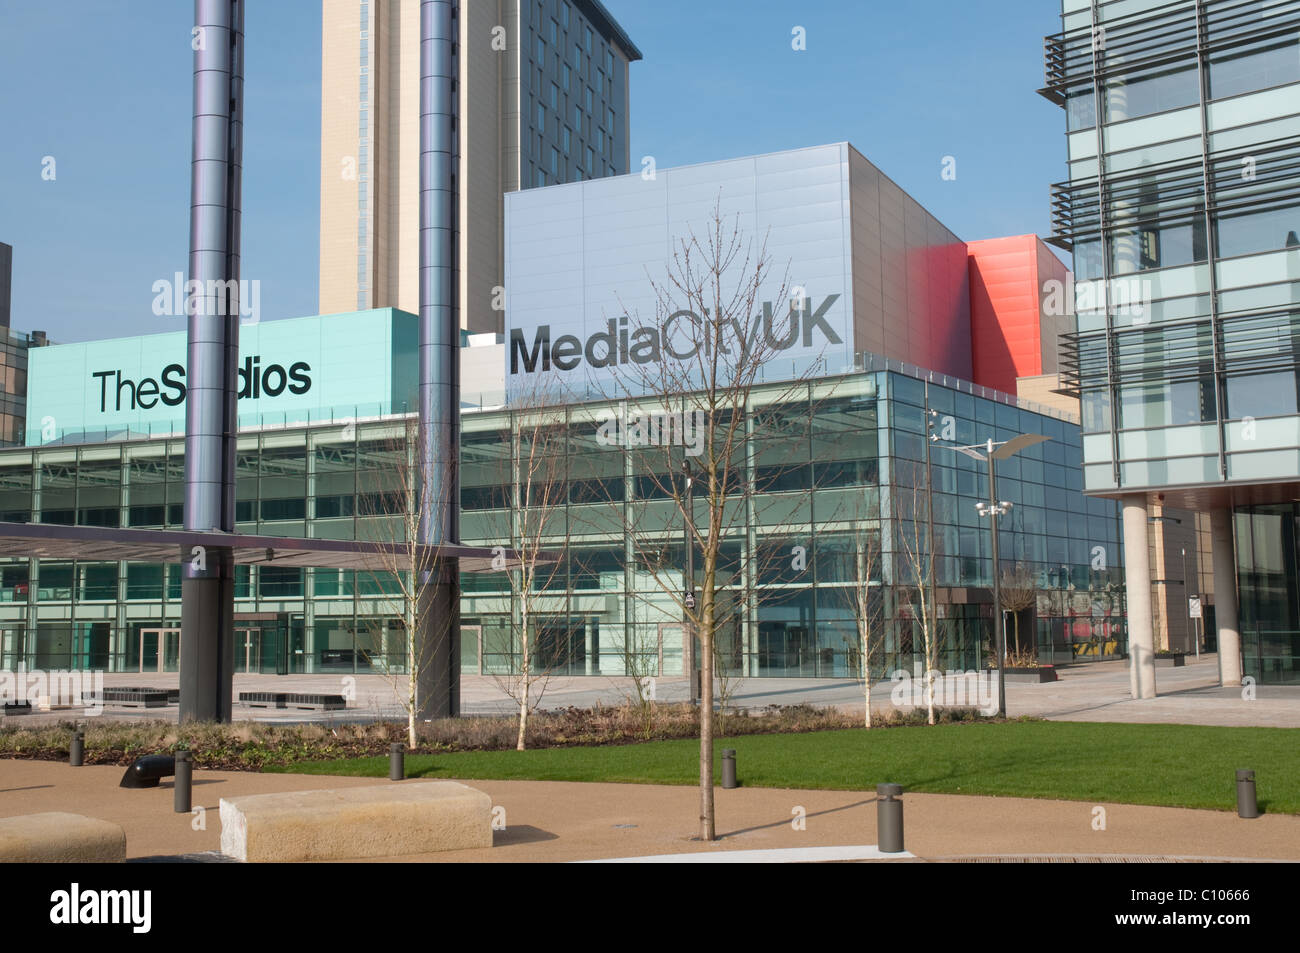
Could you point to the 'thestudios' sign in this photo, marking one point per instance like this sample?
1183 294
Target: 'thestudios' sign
118 392
299 370
590 270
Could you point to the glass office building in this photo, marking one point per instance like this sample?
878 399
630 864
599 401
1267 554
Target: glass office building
1182 209
836 468
543 97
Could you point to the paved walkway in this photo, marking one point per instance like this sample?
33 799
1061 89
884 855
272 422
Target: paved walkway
560 821
1093 692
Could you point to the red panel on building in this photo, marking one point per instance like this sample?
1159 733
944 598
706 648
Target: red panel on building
1007 277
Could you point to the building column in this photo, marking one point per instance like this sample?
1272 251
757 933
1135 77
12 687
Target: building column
1137 579
438 621
1225 597
212 348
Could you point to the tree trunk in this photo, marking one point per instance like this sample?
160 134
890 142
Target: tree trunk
526 661
706 733
523 711
929 673
867 681
412 663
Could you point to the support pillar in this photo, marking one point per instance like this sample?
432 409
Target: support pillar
212 355
438 648
1137 580
1225 597
438 616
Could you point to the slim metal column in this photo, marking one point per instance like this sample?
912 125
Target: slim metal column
438 621
207 587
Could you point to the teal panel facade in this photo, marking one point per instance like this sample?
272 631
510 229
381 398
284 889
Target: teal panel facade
300 370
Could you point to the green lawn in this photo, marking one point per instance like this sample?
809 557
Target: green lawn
1169 765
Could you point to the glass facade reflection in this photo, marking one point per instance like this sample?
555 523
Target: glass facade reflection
837 469
1267 554
1182 211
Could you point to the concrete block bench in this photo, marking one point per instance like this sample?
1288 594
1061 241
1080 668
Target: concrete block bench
134 697
292 700
412 817
58 838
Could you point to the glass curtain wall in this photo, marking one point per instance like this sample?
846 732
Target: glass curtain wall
809 543
1182 211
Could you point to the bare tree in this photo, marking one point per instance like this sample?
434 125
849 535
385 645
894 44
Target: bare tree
539 488
698 419
641 668
867 601
915 571
1019 592
391 514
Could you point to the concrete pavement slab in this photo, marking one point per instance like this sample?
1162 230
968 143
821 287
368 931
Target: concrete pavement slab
563 821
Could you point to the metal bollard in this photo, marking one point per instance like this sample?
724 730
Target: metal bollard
889 818
184 778
77 751
1246 804
729 768
396 761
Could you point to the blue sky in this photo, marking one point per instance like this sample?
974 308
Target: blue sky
103 86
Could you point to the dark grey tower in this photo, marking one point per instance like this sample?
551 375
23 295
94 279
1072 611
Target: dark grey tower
6 282
207 587
438 629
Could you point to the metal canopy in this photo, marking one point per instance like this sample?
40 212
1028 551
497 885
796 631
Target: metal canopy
108 544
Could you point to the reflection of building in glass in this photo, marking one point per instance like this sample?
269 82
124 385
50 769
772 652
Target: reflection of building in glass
1182 208
841 461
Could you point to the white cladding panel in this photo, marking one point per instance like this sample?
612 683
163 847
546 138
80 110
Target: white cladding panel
583 254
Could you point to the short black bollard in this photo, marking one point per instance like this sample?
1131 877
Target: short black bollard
1246 804
889 818
396 762
729 768
77 751
184 779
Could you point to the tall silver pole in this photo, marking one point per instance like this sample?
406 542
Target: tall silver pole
438 625
211 423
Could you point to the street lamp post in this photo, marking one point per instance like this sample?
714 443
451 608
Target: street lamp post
993 509
992 452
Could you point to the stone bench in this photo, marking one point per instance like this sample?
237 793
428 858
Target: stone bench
58 838
132 697
412 817
292 700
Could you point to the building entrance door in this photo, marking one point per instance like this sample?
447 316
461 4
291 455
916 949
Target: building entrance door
160 650
248 650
